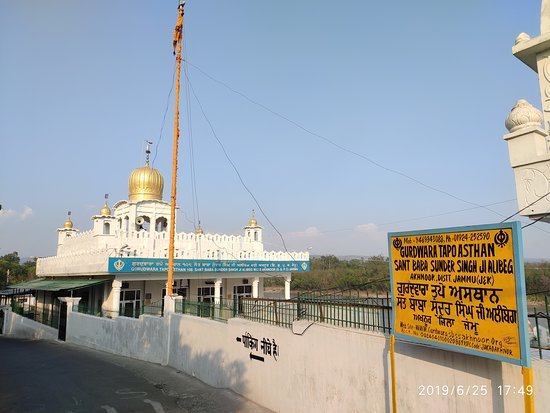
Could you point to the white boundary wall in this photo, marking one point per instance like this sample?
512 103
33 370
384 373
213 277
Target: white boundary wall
22 327
328 369
332 369
142 339
325 370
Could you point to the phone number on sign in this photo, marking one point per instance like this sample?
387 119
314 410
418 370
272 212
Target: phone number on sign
458 237
460 390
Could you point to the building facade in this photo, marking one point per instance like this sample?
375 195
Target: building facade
120 264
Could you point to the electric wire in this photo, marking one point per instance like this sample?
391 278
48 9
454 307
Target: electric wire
237 170
269 274
194 191
198 248
535 221
350 151
417 218
445 213
164 116
524 208
331 142
193 171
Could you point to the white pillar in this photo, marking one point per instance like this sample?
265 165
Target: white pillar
171 304
288 278
529 158
217 296
217 290
71 301
115 302
255 287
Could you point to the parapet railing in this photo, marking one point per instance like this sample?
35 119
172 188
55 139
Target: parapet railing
154 308
134 310
364 310
43 315
221 310
368 313
539 332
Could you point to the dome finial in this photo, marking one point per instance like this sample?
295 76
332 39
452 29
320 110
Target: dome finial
523 115
68 223
147 152
252 222
145 182
105 211
199 229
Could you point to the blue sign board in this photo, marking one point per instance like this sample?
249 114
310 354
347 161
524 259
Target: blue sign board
136 265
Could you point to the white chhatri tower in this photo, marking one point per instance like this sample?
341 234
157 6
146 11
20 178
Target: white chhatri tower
253 234
104 223
144 209
66 232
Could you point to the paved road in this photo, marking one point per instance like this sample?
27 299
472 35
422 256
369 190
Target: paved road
41 376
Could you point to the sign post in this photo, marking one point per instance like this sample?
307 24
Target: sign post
462 289
392 366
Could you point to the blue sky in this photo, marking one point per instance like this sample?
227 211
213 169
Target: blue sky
419 87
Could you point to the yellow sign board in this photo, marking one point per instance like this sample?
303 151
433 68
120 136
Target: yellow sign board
459 289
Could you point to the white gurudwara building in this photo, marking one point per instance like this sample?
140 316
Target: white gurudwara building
120 265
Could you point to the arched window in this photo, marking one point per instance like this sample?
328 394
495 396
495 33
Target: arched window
142 223
255 235
161 224
106 228
126 223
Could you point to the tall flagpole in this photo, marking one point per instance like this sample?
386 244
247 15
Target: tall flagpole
177 51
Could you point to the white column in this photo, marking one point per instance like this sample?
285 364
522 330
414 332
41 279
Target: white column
115 301
217 296
170 304
71 301
217 290
529 157
255 287
288 278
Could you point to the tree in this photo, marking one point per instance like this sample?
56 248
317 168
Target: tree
537 276
329 272
11 264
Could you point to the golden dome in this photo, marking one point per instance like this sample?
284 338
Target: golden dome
105 211
199 230
145 183
68 223
252 222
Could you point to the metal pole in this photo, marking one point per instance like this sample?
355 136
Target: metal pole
547 318
528 396
392 362
177 51
538 332
43 306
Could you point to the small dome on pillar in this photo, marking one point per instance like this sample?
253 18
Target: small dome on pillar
68 223
105 211
523 115
522 37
